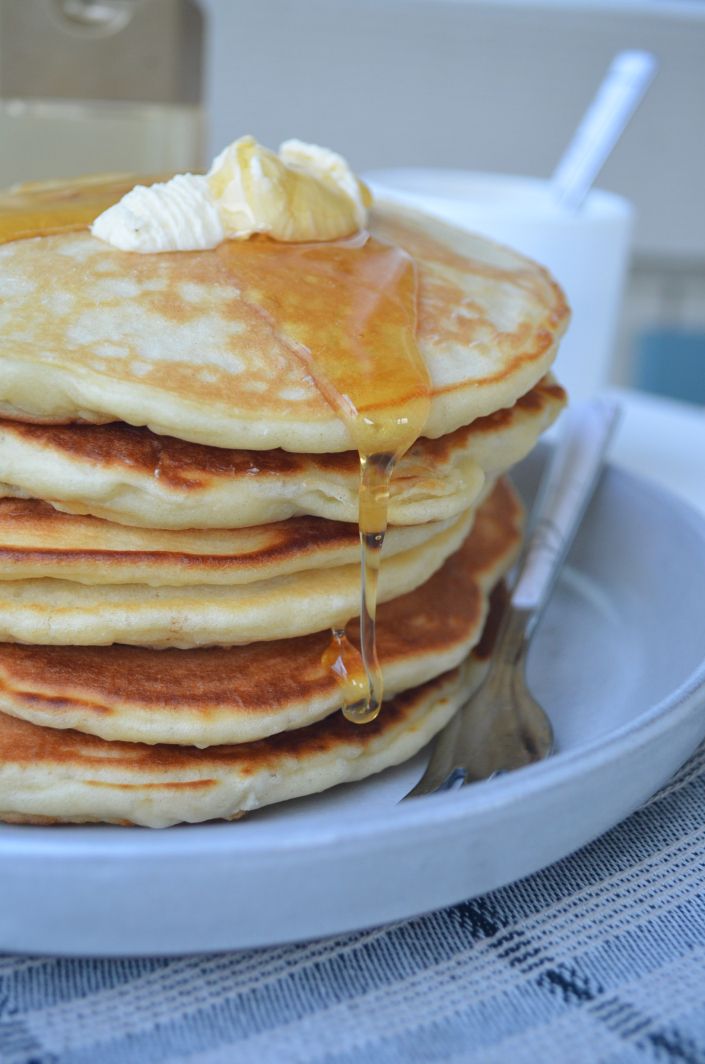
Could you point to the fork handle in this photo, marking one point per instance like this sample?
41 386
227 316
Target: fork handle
565 491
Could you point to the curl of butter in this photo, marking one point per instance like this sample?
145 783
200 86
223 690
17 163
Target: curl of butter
305 193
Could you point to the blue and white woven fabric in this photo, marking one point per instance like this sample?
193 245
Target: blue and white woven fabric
600 958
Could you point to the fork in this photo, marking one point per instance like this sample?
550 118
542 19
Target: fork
501 726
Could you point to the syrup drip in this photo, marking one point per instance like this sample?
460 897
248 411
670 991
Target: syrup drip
347 310
359 671
350 317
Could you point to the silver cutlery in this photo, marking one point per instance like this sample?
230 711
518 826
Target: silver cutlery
501 726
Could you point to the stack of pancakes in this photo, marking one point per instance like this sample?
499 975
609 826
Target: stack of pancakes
178 525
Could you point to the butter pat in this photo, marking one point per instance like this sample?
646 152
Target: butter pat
177 215
305 193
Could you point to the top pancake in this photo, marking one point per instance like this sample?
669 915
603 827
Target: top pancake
179 343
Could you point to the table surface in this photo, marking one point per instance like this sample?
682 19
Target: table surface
598 958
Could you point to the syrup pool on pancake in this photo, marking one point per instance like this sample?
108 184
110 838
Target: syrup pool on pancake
350 317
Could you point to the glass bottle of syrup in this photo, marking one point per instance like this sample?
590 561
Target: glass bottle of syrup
91 86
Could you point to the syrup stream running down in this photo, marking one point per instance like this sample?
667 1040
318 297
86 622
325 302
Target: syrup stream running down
359 671
349 316
347 310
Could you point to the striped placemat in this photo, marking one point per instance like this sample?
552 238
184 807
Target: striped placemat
600 958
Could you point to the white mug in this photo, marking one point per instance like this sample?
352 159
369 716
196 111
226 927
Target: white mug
587 252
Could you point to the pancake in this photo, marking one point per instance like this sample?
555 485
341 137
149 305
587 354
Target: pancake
180 343
61 612
240 694
37 541
51 776
134 477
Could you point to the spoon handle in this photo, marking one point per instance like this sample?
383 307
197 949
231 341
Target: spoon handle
619 95
565 492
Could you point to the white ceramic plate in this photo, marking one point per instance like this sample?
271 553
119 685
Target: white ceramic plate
618 663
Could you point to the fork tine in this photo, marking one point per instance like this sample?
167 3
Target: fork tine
479 741
504 727
502 736
443 772
441 766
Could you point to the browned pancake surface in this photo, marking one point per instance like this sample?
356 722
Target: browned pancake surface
261 681
34 532
22 742
191 466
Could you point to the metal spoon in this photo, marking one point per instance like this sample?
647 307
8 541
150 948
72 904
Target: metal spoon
502 726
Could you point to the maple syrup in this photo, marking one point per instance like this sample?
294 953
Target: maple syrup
347 310
48 207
